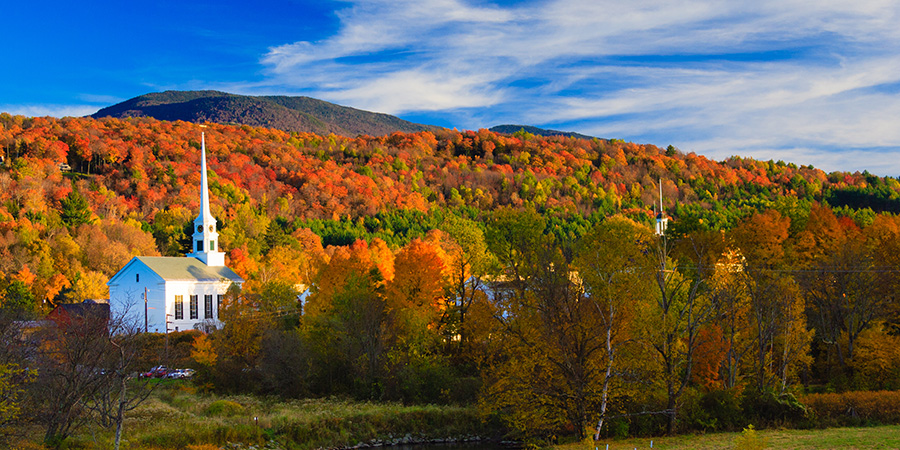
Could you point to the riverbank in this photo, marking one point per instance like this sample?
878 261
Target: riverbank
177 417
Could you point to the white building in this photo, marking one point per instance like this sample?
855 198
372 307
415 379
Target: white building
165 293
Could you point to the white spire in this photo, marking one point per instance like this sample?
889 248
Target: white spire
204 186
660 188
206 237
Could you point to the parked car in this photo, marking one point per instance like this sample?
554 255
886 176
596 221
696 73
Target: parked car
156 372
181 373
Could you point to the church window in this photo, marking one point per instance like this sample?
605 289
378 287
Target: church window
212 246
179 307
194 314
199 246
219 299
137 278
207 307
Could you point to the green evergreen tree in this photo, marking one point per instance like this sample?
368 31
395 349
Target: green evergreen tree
75 210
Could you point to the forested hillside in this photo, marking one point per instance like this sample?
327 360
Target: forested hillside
448 265
346 188
275 111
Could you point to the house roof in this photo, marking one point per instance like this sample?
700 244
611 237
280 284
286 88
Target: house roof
82 309
174 268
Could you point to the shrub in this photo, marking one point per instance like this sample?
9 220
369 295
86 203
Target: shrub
749 440
855 408
876 361
718 410
770 408
224 408
202 447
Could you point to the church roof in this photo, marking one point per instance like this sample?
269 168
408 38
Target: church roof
179 268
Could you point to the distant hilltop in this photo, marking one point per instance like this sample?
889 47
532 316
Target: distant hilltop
282 112
510 129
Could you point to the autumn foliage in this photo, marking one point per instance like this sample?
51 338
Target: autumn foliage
854 408
444 266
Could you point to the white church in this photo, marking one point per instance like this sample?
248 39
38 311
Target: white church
162 294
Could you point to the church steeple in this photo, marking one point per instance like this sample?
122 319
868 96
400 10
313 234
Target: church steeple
661 220
206 237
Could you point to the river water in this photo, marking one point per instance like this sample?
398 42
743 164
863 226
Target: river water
486 445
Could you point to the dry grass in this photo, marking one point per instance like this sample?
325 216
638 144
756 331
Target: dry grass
178 418
882 437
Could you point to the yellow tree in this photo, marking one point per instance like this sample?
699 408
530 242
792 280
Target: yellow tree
468 259
883 241
612 266
512 237
547 374
344 264
776 309
791 343
312 248
90 285
846 283
877 360
285 264
678 308
13 377
15 359
347 319
352 336
237 345
418 283
728 292
561 324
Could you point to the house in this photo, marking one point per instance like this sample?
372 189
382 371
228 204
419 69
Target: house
165 293
90 317
67 313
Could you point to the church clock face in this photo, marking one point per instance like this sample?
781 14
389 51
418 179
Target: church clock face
211 228
199 228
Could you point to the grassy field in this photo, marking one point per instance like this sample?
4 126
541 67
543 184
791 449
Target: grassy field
176 417
883 437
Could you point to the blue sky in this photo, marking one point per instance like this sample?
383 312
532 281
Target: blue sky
810 82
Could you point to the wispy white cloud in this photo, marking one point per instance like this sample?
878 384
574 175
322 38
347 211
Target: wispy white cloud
796 78
101 98
50 110
419 90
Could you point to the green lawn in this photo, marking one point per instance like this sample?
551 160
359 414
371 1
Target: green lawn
883 437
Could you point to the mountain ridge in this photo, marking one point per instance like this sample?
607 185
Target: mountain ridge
288 113
510 129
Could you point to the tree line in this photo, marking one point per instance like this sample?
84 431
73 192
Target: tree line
619 332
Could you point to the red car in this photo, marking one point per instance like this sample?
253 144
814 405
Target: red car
156 372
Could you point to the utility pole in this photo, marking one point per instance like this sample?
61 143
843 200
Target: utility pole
146 322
